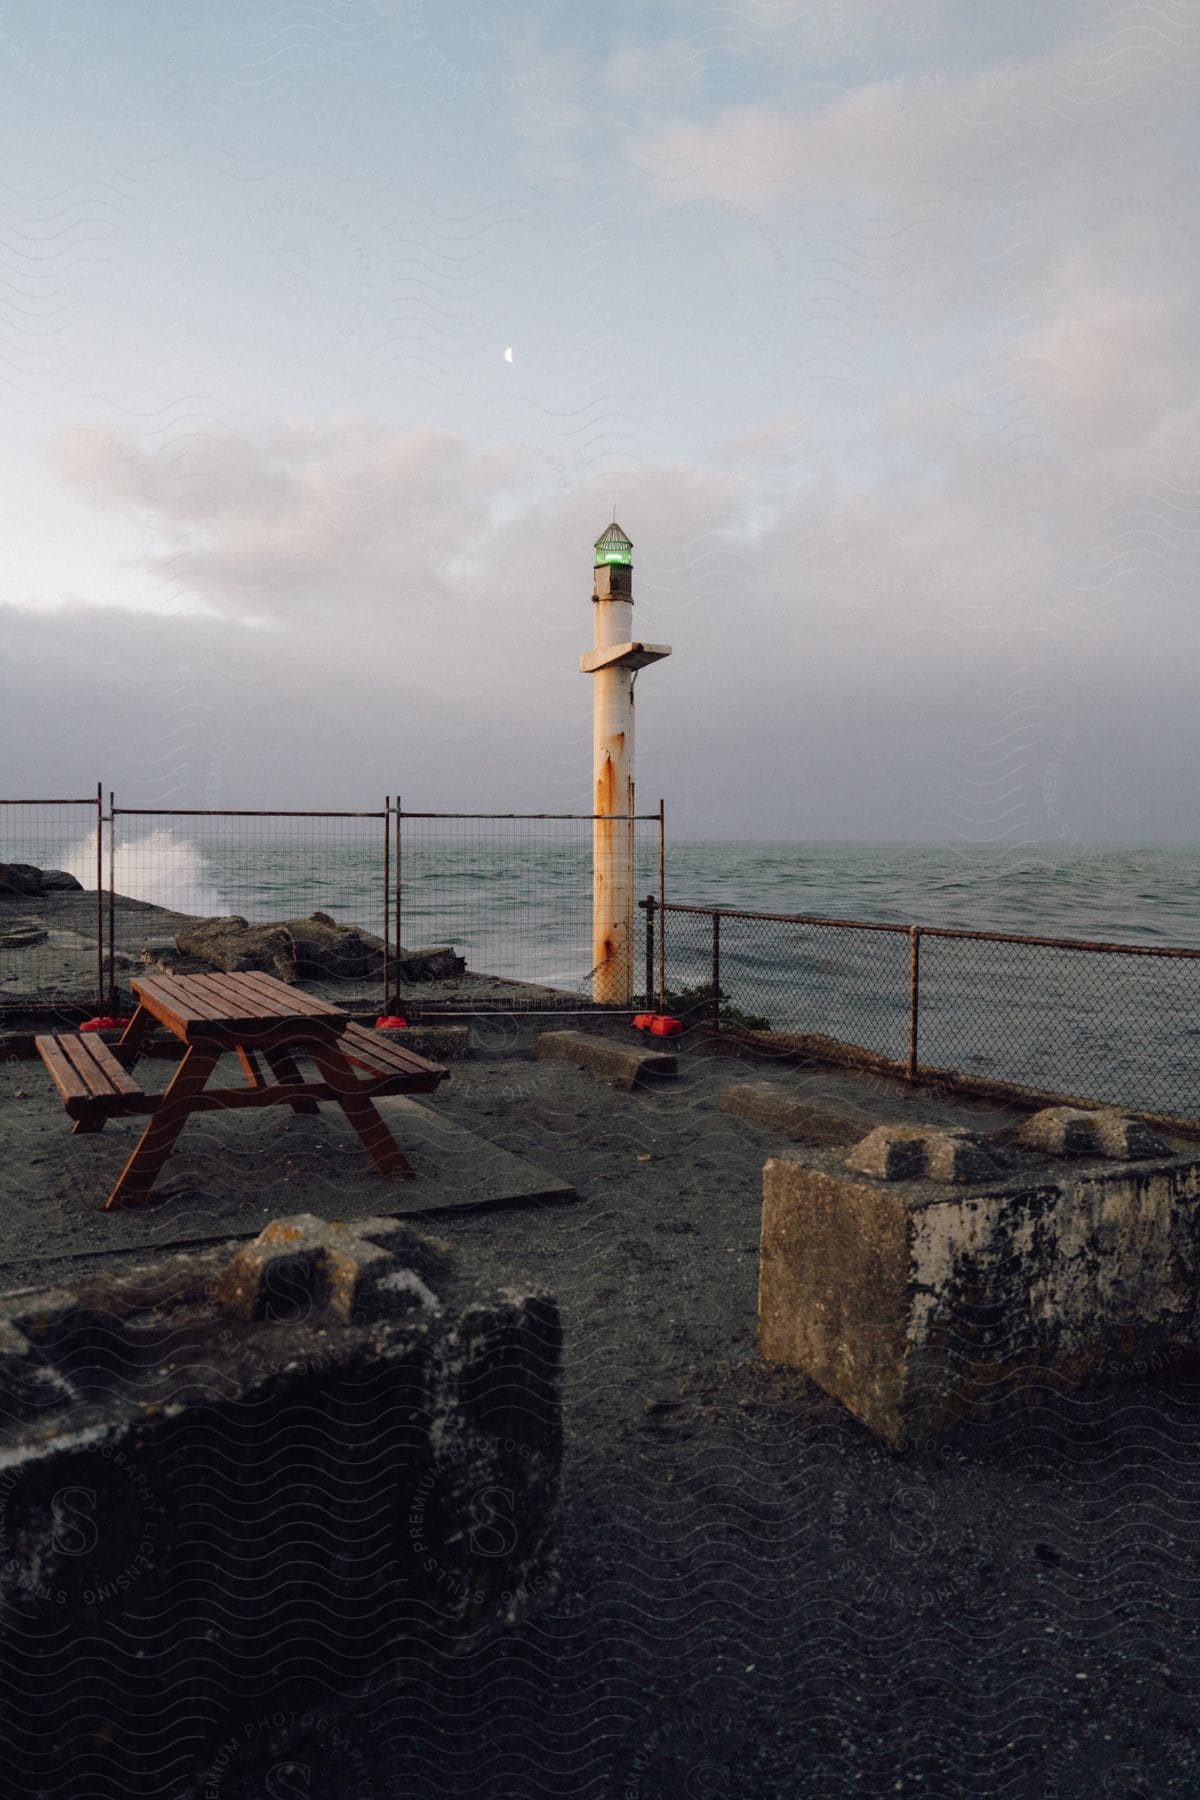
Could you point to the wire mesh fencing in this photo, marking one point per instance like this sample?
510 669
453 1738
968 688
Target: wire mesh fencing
1115 1023
51 903
513 895
1055 1018
510 894
302 872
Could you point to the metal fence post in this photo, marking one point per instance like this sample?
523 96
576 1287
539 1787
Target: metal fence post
399 893
716 971
112 902
387 897
914 965
648 908
662 906
99 897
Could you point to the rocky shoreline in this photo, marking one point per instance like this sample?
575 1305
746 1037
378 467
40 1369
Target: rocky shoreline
50 956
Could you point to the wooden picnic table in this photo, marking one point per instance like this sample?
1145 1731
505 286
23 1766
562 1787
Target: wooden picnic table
261 1021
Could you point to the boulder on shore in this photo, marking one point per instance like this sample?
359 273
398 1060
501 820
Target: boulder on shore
327 951
231 944
24 879
312 949
434 964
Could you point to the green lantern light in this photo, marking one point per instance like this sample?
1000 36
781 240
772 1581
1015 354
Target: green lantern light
614 547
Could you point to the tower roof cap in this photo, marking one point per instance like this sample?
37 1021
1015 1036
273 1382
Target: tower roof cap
612 546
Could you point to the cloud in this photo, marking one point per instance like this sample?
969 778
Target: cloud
915 197
290 522
989 615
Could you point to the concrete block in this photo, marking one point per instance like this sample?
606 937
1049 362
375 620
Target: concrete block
253 1477
939 1153
621 1065
1078 1131
917 1303
768 1103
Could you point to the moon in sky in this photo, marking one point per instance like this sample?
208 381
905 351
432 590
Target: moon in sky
508 354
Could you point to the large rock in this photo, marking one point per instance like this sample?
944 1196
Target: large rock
237 1481
437 963
313 949
231 944
326 951
25 879
19 878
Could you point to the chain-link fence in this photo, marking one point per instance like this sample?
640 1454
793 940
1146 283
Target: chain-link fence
1059 1018
513 894
52 903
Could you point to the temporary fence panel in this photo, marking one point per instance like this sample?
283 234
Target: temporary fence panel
52 947
511 893
169 868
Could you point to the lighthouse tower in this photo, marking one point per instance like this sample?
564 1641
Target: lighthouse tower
613 663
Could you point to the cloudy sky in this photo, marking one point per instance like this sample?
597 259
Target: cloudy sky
329 334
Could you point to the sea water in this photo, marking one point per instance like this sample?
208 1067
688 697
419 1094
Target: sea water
515 900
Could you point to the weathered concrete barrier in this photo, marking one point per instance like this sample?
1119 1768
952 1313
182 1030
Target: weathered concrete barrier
929 1276
245 1479
767 1103
619 1064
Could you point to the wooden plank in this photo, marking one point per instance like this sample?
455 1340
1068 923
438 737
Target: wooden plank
187 1008
93 1076
250 1069
166 1122
171 1006
297 1093
93 1085
243 1001
234 1001
238 996
276 1093
371 1051
293 1000
373 1134
65 1075
171 992
108 1070
282 1064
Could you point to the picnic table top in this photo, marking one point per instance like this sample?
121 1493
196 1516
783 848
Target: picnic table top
195 1006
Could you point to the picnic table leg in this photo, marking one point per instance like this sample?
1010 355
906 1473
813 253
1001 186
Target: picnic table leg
250 1069
128 1046
283 1066
158 1140
377 1140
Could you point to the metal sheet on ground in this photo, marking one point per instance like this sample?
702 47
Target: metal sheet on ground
231 1174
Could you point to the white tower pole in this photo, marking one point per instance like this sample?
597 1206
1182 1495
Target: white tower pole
612 663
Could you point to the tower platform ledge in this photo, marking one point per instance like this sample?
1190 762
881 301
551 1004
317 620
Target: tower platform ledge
623 656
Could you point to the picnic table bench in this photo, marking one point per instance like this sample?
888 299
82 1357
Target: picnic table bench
93 1082
260 1020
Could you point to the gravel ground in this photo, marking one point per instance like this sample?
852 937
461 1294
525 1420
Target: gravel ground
759 1599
